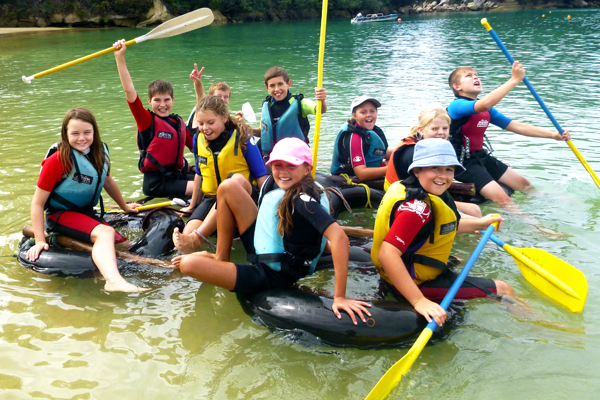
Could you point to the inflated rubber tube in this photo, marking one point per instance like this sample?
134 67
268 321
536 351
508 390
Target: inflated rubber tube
156 241
158 228
356 197
356 254
309 317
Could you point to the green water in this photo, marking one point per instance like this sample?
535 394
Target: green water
67 339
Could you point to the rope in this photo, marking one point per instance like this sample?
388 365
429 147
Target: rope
350 182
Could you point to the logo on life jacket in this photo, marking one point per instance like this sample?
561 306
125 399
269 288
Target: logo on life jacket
484 123
202 160
357 159
447 228
379 152
83 178
165 135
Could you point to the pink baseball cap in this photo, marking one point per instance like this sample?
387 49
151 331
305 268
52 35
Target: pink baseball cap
291 150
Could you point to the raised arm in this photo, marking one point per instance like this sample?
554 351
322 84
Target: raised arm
126 81
494 97
196 76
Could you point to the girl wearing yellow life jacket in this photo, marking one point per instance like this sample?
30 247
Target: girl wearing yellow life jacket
414 230
224 149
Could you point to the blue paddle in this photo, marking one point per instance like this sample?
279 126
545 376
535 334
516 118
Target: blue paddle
582 160
393 376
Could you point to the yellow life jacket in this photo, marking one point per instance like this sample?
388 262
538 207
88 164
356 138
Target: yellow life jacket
428 261
216 167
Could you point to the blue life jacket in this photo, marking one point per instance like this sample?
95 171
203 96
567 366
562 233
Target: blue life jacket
291 124
80 189
270 246
374 146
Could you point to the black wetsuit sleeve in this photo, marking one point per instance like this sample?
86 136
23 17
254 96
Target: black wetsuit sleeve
310 221
402 160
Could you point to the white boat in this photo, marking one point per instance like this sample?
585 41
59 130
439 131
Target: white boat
373 18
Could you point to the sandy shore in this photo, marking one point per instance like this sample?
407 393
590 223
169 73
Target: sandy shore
17 31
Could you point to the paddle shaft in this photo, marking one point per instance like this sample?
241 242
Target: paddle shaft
77 245
542 104
149 206
315 145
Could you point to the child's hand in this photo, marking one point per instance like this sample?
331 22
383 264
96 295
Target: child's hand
351 307
518 71
429 310
320 94
196 75
490 219
565 135
120 47
34 252
130 208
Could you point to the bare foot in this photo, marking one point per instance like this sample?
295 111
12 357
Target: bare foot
186 243
123 286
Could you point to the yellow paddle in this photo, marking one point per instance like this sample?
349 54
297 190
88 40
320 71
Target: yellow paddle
174 202
176 26
555 278
582 160
393 376
552 276
319 85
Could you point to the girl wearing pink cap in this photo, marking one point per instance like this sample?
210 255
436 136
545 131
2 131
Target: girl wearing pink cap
291 227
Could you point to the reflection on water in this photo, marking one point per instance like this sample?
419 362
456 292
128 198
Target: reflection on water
66 338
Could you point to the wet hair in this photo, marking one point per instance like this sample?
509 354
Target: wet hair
274 72
427 115
286 207
96 155
218 86
160 86
457 75
218 106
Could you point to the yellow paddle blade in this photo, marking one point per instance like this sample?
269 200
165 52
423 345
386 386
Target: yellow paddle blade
393 376
552 276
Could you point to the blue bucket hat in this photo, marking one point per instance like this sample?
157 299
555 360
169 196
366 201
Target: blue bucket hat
434 153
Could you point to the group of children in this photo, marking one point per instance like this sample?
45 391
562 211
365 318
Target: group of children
266 191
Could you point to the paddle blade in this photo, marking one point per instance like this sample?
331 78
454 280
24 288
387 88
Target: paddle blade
573 280
393 376
184 23
248 112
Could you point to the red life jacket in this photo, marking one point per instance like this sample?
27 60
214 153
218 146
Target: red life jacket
391 175
161 146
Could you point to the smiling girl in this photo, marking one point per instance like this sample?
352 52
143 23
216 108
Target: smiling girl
415 228
224 150
361 148
284 237
69 186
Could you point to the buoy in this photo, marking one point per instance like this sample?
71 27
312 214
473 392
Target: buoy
543 15
568 17
549 12
399 19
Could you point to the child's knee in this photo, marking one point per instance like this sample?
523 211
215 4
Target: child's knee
103 231
503 288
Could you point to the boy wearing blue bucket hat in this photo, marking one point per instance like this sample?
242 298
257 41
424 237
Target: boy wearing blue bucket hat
415 228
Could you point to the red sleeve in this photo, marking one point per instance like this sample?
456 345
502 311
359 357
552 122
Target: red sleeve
411 216
51 173
143 118
356 151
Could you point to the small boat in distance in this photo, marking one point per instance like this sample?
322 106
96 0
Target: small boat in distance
373 18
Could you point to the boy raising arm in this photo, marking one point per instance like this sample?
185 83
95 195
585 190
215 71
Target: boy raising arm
470 119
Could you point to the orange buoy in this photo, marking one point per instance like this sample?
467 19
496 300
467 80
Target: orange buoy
543 15
399 19
568 17
549 12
